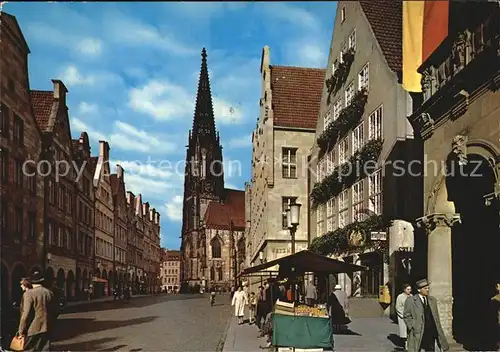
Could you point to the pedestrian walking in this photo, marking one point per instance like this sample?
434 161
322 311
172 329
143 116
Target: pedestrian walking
260 310
495 305
400 308
38 317
252 306
422 320
239 302
311 294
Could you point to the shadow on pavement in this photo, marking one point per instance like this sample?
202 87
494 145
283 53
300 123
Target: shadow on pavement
135 302
396 340
92 345
345 332
72 327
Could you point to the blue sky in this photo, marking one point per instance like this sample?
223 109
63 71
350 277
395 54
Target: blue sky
132 70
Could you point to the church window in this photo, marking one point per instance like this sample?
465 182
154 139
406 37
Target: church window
216 248
219 274
289 162
212 274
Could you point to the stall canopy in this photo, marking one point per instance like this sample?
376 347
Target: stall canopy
307 261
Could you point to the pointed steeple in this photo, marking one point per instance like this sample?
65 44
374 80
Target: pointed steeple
203 120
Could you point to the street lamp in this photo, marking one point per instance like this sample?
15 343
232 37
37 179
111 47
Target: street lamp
292 219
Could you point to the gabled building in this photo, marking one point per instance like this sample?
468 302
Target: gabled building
151 247
85 202
21 195
204 186
134 244
104 224
361 136
52 117
138 222
170 270
121 226
282 139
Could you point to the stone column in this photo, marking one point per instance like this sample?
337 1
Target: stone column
438 228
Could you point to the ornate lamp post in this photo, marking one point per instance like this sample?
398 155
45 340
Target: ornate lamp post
293 220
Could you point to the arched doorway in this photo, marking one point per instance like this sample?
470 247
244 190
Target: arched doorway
78 283
5 287
70 282
18 273
475 244
61 281
49 277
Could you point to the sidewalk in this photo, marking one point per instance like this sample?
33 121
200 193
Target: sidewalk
101 299
243 338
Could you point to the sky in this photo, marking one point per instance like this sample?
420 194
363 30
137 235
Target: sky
132 70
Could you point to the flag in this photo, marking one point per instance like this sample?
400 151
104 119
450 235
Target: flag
425 26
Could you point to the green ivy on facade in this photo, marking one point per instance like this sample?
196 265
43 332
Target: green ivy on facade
340 74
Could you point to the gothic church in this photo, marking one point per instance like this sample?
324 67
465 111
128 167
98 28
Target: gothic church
213 223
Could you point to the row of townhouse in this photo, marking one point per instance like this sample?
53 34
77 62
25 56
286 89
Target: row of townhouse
62 210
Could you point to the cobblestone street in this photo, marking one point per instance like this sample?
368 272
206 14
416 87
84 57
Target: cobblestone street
152 323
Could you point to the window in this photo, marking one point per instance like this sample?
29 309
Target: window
68 242
18 173
4 166
4 121
320 223
337 108
285 203
342 51
375 192
216 248
32 226
375 122
330 215
364 77
19 223
342 15
330 162
320 170
352 40
357 138
18 136
31 179
212 274
289 162
343 208
349 94
52 194
343 151
357 200
327 119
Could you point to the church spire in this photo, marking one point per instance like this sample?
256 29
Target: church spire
203 120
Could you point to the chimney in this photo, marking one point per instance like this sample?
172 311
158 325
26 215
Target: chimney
60 90
104 150
119 171
138 200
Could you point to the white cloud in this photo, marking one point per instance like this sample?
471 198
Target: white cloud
225 113
148 187
130 32
309 53
127 137
85 108
173 208
241 142
72 77
162 171
292 14
90 47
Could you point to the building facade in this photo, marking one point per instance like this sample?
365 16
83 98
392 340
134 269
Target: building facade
138 221
361 135
52 117
85 202
104 224
170 270
121 226
459 121
204 186
282 139
151 247
22 196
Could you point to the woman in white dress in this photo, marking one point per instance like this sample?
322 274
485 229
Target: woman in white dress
400 307
239 302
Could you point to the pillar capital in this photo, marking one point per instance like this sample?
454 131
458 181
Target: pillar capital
431 221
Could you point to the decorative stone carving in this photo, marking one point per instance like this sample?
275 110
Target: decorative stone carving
459 148
458 52
431 221
427 122
426 84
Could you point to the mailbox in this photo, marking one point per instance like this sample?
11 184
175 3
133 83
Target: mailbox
384 296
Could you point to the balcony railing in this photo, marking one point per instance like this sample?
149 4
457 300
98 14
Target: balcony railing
459 51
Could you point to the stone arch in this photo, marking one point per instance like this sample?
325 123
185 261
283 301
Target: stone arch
61 279
437 201
70 284
5 283
18 272
78 282
98 273
216 247
49 276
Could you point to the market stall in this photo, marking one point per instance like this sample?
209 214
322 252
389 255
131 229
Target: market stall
301 326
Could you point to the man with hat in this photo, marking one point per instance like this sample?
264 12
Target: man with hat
422 321
38 316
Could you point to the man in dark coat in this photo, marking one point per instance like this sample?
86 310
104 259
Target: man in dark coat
422 321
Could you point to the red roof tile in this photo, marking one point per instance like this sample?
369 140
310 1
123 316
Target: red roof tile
42 102
219 215
296 95
386 20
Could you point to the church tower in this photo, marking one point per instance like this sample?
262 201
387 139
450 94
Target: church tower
204 178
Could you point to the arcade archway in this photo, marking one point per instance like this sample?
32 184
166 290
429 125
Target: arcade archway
49 277
70 282
18 272
61 280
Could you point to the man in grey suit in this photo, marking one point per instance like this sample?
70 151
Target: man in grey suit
422 321
38 316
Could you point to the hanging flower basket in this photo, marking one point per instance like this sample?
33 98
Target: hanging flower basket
340 74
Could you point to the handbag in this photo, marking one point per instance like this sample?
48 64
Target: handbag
17 343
